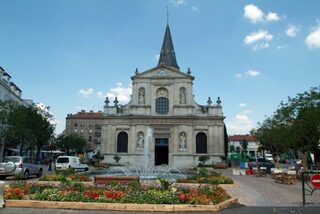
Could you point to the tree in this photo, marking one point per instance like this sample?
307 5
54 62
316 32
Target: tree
232 148
294 125
72 143
244 145
27 126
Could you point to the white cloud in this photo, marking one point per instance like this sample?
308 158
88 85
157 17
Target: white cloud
100 94
261 35
242 117
272 17
281 47
241 124
313 39
258 40
157 57
255 14
122 93
248 111
252 73
195 8
242 105
260 46
292 30
86 93
41 106
247 74
178 2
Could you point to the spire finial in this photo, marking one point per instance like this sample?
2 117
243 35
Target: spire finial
167 15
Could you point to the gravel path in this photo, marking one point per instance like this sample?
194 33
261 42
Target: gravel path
263 191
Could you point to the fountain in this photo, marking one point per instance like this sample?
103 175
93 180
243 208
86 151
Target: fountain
147 171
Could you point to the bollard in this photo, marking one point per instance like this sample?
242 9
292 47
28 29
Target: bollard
2 184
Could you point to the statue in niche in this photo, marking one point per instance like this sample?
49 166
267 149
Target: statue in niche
140 141
182 94
141 96
183 141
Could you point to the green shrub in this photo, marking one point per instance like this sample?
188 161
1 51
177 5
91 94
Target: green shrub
203 159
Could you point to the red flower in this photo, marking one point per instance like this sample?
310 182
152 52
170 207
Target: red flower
72 177
183 197
113 194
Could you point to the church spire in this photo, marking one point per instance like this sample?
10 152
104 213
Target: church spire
167 54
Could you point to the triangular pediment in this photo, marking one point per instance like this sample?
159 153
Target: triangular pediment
162 71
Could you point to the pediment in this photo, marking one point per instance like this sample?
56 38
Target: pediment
162 72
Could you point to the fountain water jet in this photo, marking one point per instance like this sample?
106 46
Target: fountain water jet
147 171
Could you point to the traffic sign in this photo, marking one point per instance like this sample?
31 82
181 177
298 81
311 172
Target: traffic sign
315 180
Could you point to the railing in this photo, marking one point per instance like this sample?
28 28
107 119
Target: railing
307 187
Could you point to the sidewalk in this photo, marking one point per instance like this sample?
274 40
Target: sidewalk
263 191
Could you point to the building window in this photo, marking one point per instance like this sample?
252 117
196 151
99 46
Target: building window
122 142
75 124
201 143
162 105
90 138
90 131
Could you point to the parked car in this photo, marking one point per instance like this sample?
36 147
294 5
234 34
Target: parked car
66 162
269 157
253 162
19 165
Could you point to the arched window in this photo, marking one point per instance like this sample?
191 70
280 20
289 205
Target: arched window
162 105
201 143
122 142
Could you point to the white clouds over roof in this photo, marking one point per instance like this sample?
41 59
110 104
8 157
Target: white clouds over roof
122 93
86 93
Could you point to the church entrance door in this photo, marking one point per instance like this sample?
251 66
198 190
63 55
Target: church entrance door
161 151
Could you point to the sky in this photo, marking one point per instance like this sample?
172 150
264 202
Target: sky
70 54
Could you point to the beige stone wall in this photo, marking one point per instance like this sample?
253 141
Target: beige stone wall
184 116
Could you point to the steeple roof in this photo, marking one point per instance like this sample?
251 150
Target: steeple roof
167 54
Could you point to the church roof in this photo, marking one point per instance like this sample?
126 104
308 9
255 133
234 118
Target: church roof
167 54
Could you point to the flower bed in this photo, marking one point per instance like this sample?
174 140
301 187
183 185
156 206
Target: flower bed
121 193
203 177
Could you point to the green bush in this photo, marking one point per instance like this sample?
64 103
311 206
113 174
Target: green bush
203 159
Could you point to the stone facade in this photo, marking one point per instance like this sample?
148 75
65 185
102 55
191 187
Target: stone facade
162 99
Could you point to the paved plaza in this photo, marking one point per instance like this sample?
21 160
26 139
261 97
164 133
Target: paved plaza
263 191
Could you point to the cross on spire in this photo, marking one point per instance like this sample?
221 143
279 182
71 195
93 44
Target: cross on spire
167 15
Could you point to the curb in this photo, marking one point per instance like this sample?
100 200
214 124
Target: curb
119 207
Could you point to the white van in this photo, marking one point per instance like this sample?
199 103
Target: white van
269 157
66 162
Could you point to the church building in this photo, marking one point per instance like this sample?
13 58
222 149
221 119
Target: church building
162 99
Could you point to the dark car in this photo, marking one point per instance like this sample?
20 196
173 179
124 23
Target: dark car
253 162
